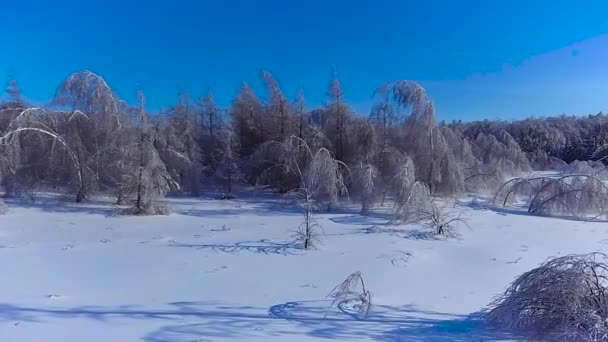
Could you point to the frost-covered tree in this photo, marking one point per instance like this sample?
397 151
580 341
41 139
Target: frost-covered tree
423 141
248 123
301 121
33 127
337 119
228 171
412 196
146 180
209 134
88 93
278 109
178 147
364 188
319 179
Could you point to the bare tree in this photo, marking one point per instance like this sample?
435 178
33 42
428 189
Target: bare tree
177 144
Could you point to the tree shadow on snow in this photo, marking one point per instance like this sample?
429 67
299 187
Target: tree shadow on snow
405 232
376 219
385 323
206 321
59 206
262 246
240 207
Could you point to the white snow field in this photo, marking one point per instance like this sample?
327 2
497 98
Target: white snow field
228 271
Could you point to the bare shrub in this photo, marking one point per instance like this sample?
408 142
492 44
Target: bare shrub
563 299
441 220
352 293
307 234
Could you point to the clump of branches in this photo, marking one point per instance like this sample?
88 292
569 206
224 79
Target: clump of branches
582 196
351 294
441 220
565 298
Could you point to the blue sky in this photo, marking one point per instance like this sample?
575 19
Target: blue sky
495 59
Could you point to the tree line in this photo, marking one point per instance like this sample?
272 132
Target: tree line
88 141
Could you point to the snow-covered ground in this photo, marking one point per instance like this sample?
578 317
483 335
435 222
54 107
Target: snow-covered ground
228 270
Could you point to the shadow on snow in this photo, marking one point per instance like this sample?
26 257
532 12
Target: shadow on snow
203 321
262 246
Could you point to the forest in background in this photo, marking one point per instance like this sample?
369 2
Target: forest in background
88 141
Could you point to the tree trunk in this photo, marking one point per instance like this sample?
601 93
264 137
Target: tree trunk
138 202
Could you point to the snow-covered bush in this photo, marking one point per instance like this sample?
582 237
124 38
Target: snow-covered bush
564 299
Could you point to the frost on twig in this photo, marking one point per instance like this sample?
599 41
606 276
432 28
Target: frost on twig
352 295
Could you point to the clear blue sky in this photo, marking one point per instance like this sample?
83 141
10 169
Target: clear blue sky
477 59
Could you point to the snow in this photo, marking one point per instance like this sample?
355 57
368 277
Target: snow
229 271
